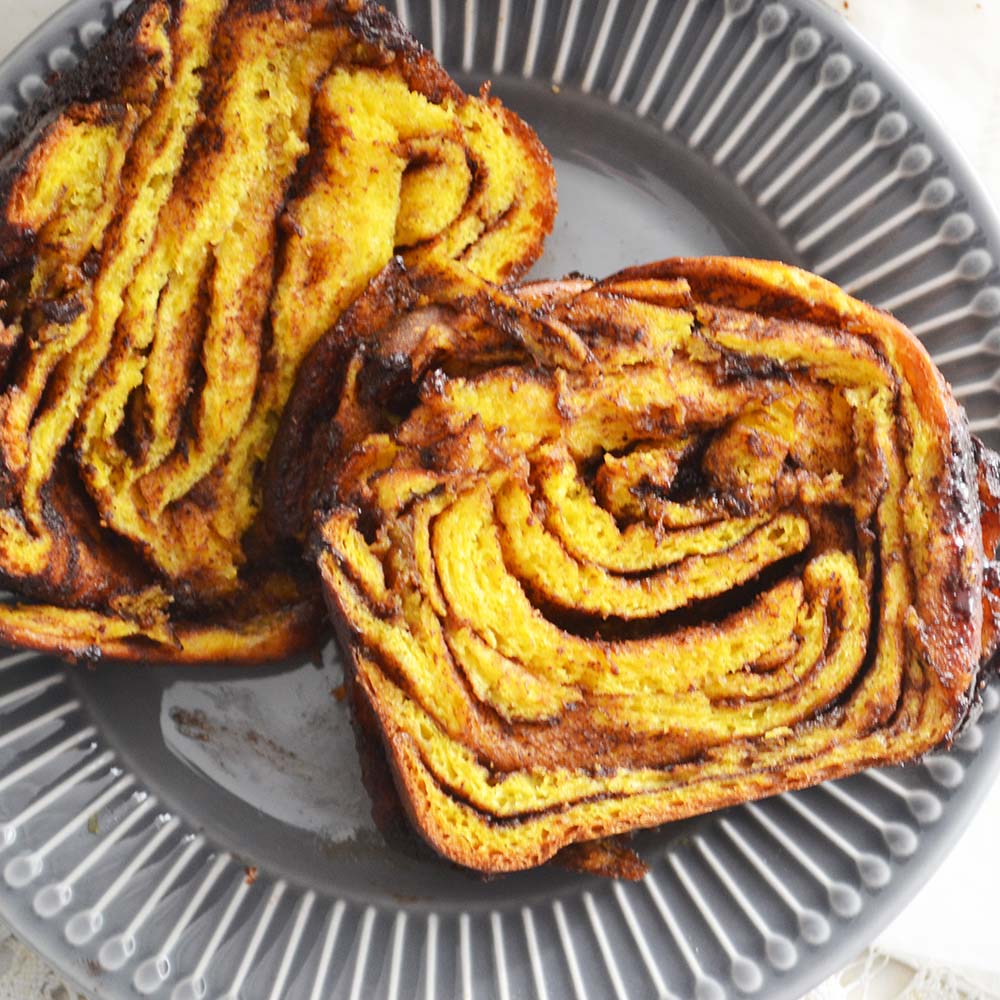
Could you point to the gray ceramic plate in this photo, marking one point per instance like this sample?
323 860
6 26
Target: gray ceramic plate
134 803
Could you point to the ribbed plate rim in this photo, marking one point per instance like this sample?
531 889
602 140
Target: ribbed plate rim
878 914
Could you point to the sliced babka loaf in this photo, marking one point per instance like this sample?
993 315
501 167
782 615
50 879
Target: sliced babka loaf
182 217
604 555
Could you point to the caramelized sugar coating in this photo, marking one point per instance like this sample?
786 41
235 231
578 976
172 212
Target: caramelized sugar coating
609 554
181 219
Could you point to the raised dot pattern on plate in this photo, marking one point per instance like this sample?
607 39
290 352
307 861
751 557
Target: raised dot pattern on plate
754 892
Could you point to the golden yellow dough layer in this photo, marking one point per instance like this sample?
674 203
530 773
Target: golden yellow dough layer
607 554
181 219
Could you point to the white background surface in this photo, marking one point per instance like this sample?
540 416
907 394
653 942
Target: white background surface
949 50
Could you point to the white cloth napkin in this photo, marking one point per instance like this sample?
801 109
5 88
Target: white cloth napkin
24 976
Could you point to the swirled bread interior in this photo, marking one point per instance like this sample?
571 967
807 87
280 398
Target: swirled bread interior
181 218
609 554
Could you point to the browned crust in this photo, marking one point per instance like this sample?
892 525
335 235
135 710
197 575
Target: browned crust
422 813
988 467
307 425
102 76
372 24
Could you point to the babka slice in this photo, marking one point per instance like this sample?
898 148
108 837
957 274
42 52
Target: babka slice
182 216
607 554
